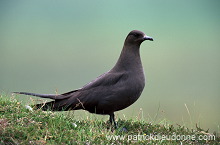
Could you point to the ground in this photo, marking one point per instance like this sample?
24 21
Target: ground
20 125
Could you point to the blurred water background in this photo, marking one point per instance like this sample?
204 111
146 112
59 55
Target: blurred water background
61 45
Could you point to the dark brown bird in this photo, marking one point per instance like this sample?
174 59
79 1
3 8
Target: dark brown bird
112 91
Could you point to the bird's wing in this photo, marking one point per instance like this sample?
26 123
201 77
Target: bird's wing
106 79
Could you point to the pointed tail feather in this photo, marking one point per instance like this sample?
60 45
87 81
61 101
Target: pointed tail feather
60 103
50 96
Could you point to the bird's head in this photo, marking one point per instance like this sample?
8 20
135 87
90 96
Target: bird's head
137 37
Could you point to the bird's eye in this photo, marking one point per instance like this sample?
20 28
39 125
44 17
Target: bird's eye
136 35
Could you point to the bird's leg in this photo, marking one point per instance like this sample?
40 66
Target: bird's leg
112 119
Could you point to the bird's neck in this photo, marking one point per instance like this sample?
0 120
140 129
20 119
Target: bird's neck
129 59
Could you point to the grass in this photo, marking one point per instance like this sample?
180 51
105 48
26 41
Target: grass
19 125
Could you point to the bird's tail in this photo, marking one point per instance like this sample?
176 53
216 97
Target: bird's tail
60 102
45 106
50 96
51 106
58 105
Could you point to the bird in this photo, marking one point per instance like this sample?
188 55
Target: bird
112 91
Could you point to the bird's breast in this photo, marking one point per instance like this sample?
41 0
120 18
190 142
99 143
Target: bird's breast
130 91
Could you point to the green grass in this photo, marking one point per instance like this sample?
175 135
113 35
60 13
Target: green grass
18 125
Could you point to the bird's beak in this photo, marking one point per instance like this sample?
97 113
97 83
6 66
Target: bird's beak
148 38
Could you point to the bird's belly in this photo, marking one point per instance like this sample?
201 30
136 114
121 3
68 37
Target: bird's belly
128 100
113 98
118 102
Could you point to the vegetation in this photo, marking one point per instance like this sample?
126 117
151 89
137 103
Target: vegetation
19 125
